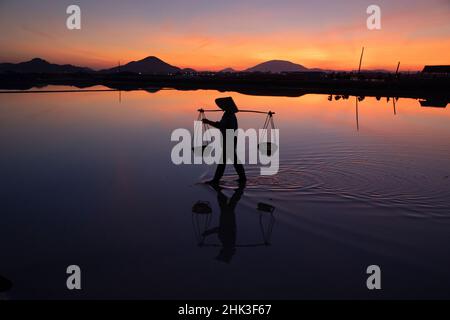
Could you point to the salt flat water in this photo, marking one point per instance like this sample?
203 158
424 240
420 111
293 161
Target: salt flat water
86 178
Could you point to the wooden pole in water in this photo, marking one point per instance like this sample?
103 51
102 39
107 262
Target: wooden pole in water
398 66
360 60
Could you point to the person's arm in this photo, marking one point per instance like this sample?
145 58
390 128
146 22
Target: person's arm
215 124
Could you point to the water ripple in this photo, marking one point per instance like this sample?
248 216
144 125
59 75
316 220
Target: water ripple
413 181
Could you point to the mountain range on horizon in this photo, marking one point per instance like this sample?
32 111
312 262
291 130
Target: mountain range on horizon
38 65
148 65
227 70
277 66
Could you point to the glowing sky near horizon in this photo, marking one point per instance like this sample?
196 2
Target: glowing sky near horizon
211 35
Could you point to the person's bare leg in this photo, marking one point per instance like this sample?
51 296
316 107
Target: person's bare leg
239 168
219 173
240 171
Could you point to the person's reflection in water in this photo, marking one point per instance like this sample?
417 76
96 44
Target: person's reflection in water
226 230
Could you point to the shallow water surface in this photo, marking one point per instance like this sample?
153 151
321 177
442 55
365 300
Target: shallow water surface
87 179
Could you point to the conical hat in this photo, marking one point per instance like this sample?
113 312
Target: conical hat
227 104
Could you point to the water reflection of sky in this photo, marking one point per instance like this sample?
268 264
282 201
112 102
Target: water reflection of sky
88 179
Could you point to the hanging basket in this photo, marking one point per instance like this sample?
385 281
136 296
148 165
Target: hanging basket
267 148
199 151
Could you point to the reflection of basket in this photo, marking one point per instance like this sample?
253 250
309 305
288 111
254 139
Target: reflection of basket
265 207
201 219
201 207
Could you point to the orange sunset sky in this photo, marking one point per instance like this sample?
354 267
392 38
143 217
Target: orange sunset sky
212 35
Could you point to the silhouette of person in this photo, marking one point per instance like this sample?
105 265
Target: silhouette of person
228 121
226 231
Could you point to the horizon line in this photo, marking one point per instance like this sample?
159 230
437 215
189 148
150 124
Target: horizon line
223 68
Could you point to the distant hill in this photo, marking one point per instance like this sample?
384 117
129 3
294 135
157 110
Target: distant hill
38 65
277 66
149 65
227 70
188 70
